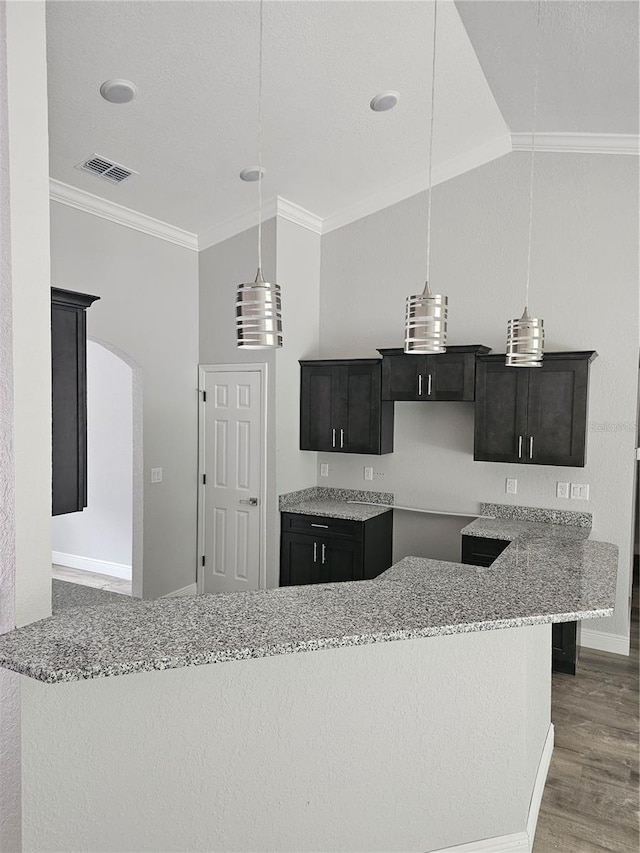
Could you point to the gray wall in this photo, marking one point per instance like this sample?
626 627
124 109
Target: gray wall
585 286
149 310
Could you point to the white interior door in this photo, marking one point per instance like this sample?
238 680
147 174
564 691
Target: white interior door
231 459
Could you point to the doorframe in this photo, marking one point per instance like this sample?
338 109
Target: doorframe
203 371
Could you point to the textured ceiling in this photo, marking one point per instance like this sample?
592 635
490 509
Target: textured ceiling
588 81
192 127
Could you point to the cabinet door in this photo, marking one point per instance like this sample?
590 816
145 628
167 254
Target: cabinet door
68 409
338 561
403 377
500 412
564 647
319 404
557 414
450 376
297 563
358 422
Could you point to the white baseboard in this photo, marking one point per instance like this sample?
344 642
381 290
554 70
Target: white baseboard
88 564
519 842
614 643
538 785
190 589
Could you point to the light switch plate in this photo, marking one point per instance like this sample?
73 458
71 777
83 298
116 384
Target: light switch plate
511 486
324 469
368 473
580 491
562 490
156 475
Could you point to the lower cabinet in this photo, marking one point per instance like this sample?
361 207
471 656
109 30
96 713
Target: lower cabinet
317 549
481 551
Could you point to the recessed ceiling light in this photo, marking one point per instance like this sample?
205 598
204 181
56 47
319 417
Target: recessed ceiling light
118 91
253 173
384 101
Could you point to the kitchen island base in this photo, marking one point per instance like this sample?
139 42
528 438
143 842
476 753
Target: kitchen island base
418 745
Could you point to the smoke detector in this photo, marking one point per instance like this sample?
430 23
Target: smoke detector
115 173
118 91
384 101
253 173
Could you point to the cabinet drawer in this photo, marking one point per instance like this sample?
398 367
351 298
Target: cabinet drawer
318 525
482 551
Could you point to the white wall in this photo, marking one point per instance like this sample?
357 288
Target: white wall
410 746
221 269
104 530
149 310
585 286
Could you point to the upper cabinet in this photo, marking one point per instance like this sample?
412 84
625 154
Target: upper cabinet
446 376
69 400
341 407
533 415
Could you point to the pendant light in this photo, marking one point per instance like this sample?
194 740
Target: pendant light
425 325
525 336
258 305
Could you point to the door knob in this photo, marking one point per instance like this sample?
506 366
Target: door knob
250 501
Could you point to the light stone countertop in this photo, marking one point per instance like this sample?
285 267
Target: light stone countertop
351 511
537 579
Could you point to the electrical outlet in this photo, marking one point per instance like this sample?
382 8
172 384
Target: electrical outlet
562 490
156 475
580 491
368 473
511 486
324 469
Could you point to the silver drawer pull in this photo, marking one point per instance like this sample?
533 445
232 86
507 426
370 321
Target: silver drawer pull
341 438
324 553
326 526
315 552
520 447
250 501
333 438
530 447
429 386
419 385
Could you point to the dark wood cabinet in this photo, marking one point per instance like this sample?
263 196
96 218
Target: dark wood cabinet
69 400
341 408
482 551
447 376
316 549
532 415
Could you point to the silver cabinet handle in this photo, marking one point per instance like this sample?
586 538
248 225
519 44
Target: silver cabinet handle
333 437
315 552
324 553
520 447
341 438
429 386
250 501
530 447
326 526
419 385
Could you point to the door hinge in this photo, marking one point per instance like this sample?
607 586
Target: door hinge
204 559
204 396
204 479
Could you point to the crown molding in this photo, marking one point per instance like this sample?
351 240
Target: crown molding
294 213
490 150
113 212
579 143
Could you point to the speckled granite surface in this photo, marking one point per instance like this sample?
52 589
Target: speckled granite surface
65 595
511 529
337 509
326 493
535 580
539 514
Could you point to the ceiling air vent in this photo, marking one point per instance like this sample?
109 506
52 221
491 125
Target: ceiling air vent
115 173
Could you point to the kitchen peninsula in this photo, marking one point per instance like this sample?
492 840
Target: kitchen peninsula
372 744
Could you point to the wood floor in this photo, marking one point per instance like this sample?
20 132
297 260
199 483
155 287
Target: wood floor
106 582
591 799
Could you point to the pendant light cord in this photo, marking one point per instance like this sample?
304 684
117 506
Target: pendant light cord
260 144
433 94
533 150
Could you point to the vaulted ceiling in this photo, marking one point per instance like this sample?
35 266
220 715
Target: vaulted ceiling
193 125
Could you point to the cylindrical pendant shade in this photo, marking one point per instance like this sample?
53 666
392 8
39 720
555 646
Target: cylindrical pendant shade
525 341
258 315
425 325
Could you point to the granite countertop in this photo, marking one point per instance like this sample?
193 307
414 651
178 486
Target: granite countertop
349 504
537 579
